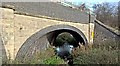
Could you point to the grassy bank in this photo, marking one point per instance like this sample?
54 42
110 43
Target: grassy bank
107 53
91 56
97 54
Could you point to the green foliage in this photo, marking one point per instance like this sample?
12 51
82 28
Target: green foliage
45 57
65 37
107 45
106 53
54 60
97 56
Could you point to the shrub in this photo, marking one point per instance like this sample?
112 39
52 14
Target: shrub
97 56
54 60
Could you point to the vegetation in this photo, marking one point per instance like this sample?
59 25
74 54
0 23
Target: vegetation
54 60
99 54
107 13
46 57
106 53
95 55
65 37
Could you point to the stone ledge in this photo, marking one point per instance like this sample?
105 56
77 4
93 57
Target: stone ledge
8 7
108 27
7 13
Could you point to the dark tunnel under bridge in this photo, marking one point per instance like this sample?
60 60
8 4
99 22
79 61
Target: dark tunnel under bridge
46 37
54 34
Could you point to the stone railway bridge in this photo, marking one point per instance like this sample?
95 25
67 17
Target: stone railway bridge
24 34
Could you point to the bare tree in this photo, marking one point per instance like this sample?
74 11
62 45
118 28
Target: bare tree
107 13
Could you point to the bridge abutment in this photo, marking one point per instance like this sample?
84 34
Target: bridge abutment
7 31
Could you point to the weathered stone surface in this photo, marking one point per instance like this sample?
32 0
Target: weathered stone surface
3 56
0 51
104 35
7 13
16 29
7 31
51 9
30 25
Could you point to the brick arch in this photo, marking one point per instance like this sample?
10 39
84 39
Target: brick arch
32 40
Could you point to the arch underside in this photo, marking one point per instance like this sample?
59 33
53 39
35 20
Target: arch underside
53 35
45 37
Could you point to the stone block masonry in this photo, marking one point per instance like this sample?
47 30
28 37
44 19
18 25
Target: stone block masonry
17 28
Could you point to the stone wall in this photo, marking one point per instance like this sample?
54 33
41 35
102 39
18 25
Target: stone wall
105 35
17 28
7 30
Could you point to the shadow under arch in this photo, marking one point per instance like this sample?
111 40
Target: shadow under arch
54 34
29 43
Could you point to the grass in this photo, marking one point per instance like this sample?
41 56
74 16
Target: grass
54 60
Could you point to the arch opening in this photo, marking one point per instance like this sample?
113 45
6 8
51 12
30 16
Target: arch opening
40 40
69 36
